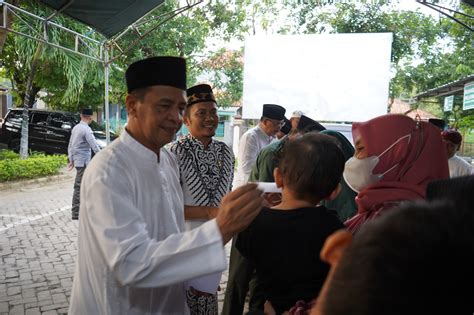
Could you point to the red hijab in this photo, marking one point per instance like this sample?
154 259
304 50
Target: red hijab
420 155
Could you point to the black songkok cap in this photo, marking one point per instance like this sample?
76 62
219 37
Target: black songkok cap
286 127
200 93
170 71
86 111
437 122
273 111
306 124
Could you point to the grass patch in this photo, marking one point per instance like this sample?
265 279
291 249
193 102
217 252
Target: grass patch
36 165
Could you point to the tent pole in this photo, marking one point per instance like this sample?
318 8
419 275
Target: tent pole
106 78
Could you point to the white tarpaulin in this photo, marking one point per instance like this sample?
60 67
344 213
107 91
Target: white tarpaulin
335 77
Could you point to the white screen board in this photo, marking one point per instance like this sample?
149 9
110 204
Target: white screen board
334 77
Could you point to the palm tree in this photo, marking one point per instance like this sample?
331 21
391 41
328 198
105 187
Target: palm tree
32 65
3 33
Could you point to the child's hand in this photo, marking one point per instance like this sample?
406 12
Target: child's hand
271 199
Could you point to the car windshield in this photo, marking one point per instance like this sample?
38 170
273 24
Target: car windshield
75 119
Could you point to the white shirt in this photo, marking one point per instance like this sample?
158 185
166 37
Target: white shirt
459 167
250 144
80 144
206 176
133 257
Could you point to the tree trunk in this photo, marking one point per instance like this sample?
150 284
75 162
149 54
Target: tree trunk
3 33
33 91
390 104
27 101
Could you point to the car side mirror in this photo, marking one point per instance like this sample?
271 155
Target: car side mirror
66 126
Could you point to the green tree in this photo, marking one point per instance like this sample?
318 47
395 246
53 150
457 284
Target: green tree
30 64
224 68
414 34
3 33
457 63
225 71
60 73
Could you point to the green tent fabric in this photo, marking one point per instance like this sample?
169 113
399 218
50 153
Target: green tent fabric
108 17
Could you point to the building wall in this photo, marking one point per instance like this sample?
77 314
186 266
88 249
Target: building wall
5 103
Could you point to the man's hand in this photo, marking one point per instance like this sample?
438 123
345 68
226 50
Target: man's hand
70 165
238 209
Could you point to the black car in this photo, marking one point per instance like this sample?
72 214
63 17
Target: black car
48 131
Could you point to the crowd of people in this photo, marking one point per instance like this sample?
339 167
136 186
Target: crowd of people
374 228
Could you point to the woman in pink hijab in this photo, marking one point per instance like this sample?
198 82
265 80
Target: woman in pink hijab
395 158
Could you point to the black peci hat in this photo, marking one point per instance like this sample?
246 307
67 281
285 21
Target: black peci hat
306 124
169 71
200 93
86 112
273 111
286 128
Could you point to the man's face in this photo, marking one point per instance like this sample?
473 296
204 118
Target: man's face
294 122
272 126
155 119
201 119
86 118
451 148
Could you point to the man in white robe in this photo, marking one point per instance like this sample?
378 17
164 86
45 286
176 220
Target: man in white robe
133 256
255 139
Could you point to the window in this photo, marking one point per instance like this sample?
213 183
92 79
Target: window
15 116
57 120
40 119
220 130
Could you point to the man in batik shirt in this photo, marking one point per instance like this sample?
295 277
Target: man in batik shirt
206 173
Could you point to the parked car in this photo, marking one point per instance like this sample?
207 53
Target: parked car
345 129
48 131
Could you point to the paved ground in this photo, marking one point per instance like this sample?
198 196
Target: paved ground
38 249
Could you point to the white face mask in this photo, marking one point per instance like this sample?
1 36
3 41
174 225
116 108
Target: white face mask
358 173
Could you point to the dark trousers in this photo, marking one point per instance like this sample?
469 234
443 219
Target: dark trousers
241 278
76 196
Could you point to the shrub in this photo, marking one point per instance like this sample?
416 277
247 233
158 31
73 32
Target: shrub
36 165
8 155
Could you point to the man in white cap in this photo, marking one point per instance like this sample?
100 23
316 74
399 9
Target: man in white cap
295 119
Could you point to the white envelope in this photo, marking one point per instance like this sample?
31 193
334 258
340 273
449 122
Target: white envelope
268 187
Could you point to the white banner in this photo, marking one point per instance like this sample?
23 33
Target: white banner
335 77
448 103
468 101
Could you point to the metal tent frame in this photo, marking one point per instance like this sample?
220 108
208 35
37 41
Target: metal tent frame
98 48
443 10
